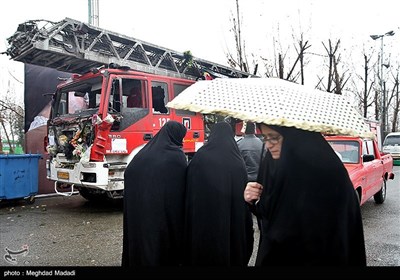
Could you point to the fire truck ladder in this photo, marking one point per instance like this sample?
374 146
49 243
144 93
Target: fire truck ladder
76 47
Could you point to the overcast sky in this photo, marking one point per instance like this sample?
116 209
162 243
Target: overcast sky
203 26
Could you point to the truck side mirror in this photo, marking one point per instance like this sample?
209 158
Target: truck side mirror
367 158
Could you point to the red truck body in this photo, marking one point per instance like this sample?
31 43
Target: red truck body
369 169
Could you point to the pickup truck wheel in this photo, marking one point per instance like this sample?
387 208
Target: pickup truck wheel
358 196
380 196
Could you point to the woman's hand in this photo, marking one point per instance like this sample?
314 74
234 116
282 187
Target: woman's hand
252 192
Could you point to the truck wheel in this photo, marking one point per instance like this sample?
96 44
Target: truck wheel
380 196
30 199
92 195
358 196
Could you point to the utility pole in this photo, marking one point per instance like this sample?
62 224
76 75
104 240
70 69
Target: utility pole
381 82
93 9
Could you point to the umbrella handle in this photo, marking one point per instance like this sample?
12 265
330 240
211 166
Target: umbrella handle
259 164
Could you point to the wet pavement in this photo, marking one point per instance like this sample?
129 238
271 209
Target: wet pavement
64 231
71 231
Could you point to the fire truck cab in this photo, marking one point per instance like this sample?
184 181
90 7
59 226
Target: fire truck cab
101 119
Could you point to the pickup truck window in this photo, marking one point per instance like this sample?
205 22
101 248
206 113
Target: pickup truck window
369 147
348 150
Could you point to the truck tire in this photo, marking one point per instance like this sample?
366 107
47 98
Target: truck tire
380 196
30 199
92 195
358 197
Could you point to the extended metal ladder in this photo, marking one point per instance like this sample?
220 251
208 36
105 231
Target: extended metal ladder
76 47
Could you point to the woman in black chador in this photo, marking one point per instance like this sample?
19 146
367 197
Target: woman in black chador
218 223
154 201
310 214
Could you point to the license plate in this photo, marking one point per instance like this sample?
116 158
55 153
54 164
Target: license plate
63 175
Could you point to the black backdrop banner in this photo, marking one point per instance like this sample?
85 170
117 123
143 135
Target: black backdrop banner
40 83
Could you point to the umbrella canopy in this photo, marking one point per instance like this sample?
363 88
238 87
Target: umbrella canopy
276 102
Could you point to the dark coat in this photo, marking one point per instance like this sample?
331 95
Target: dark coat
310 212
154 201
251 148
218 224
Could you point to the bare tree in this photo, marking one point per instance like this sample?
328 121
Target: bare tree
239 59
366 95
335 82
279 69
12 123
394 101
279 64
303 46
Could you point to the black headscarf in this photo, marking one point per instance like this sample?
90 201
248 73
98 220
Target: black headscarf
219 226
310 212
154 201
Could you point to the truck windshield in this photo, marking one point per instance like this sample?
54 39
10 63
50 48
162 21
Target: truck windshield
77 98
392 140
348 151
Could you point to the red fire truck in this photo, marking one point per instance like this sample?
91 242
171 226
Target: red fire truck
112 105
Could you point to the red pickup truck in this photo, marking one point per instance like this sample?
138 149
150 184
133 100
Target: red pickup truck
369 169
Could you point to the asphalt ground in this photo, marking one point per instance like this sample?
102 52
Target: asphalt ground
71 232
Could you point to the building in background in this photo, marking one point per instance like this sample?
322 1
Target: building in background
40 84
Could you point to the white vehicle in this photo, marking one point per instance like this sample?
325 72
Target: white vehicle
391 145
